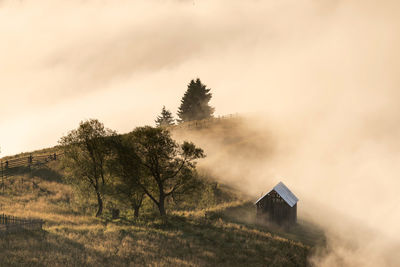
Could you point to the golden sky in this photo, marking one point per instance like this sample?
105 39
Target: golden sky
121 61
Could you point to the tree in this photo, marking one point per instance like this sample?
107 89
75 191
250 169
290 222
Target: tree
194 103
165 118
85 155
169 167
127 173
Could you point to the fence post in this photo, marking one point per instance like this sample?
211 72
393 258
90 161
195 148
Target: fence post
30 169
2 176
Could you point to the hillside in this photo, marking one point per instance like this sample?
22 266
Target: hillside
215 228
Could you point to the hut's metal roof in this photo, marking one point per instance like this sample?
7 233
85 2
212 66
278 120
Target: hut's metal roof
284 192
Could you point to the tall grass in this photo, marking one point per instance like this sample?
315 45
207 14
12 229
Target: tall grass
73 237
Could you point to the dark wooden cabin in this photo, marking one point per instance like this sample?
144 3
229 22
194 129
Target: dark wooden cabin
278 205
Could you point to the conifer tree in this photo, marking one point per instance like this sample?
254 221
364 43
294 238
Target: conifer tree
194 103
165 118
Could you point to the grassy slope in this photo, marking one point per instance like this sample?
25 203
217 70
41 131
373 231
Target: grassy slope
75 239
221 235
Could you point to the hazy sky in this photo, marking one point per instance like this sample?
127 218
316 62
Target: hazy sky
121 61
118 61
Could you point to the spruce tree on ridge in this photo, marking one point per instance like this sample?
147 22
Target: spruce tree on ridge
194 103
165 118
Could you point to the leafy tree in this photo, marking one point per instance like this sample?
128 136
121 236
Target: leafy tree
165 118
194 103
168 166
127 172
85 155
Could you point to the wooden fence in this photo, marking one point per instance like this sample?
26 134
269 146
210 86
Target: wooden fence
203 123
23 165
10 166
12 224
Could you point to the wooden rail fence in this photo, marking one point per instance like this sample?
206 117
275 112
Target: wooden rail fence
11 224
22 165
203 123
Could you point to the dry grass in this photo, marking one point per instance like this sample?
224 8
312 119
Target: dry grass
74 238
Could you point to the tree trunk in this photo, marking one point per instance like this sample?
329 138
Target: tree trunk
100 205
136 211
161 205
136 208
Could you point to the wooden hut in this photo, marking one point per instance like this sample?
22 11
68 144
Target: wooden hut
278 205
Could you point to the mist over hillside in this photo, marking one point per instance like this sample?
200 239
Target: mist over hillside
336 187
